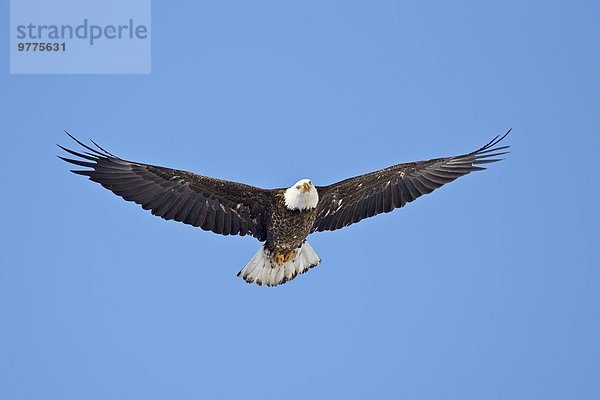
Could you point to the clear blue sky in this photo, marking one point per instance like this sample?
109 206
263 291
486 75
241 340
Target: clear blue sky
485 289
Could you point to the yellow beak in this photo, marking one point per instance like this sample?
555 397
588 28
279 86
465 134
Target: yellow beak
305 187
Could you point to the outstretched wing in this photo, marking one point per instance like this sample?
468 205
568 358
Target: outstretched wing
351 200
223 207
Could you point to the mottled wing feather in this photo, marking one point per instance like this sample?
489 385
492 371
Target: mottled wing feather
351 200
216 205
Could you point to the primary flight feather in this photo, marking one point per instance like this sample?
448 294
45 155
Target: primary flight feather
282 218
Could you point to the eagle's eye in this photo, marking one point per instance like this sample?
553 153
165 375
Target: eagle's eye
298 187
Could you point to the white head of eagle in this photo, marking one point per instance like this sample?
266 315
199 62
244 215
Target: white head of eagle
301 196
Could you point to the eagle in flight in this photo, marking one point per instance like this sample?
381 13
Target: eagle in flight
282 218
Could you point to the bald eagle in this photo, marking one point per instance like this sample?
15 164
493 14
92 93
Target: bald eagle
282 218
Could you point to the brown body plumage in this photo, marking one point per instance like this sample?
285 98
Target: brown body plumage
287 229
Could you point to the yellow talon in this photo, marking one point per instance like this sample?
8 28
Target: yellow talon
288 256
279 258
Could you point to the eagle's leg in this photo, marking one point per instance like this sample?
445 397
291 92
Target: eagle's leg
282 258
278 258
288 256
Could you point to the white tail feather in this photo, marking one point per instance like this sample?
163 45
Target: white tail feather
264 271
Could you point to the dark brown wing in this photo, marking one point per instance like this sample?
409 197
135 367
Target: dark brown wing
364 196
223 207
